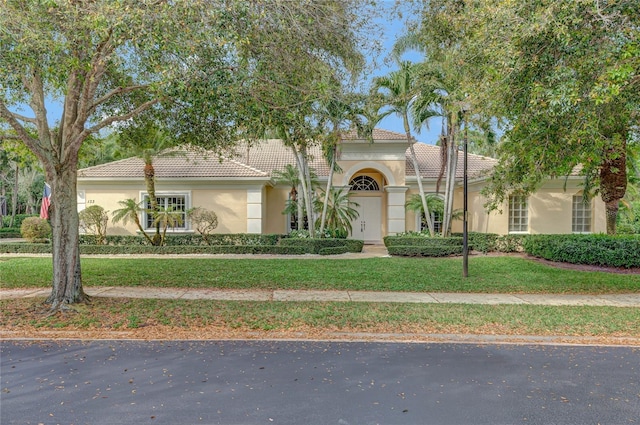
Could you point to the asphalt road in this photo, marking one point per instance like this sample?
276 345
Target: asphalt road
343 383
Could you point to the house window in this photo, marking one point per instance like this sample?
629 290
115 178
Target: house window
174 201
581 215
364 183
518 214
436 219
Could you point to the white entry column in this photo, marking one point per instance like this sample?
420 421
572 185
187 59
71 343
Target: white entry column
396 197
254 210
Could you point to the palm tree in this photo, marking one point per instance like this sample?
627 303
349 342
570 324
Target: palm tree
340 211
167 217
399 91
148 142
337 115
130 213
291 177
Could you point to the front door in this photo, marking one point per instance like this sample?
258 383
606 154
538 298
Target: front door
368 225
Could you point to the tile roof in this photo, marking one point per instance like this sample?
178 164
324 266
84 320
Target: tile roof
261 159
429 162
378 134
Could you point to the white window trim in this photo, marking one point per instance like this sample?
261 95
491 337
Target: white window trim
509 214
590 209
187 206
419 216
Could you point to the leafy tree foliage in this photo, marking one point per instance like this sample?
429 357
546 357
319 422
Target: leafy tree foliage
562 76
188 65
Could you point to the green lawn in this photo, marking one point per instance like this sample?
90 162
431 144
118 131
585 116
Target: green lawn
113 314
487 274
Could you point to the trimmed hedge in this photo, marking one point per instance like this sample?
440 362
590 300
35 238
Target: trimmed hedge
599 250
421 241
313 246
221 239
24 248
424 251
9 232
334 250
492 242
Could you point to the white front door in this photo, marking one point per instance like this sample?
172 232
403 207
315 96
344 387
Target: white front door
368 225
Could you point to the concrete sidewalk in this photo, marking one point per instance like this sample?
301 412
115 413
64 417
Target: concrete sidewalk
611 300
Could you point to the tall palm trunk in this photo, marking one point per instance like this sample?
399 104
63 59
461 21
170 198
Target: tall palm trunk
149 179
325 204
414 160
450 183
305 183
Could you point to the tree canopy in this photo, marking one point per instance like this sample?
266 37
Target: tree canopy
192 67
563 79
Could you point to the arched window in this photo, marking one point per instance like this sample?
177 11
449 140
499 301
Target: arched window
364 183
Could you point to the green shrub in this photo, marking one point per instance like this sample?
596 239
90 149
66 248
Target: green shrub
492 242
93 221
424 251
24 248
17 221
35 229
314 245
10 232
190 239
421 241
600 250
334 250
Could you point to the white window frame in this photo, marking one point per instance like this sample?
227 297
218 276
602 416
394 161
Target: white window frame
581 215
186 227
520 223
419 218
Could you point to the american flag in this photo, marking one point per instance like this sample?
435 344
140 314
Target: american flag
46 201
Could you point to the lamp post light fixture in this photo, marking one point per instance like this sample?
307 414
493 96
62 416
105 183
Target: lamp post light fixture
465 190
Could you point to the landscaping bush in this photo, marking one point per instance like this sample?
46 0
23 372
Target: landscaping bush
421 241
35 229
24 248
190 239
17 221
600 250
314 245
424 251
334 250
93 221
492 242
10 232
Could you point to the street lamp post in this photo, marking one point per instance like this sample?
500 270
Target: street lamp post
465 223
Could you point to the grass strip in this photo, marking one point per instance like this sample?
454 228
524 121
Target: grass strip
121 314
487 274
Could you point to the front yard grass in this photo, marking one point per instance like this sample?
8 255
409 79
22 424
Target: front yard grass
487 274
194 319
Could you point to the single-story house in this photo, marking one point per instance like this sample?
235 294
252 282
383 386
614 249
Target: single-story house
241 189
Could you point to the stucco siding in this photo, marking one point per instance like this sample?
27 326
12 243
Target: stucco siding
230 205
275 221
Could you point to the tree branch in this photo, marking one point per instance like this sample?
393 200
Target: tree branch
21 132
114 92
107 121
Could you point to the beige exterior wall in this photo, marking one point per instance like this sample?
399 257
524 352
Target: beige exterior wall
275 221
392 170
230 205
550 211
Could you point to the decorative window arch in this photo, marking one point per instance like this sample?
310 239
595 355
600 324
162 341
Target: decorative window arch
364 183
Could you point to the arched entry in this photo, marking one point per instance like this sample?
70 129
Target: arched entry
366 190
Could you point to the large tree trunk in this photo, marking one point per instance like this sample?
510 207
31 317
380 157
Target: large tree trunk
67 280
613 179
